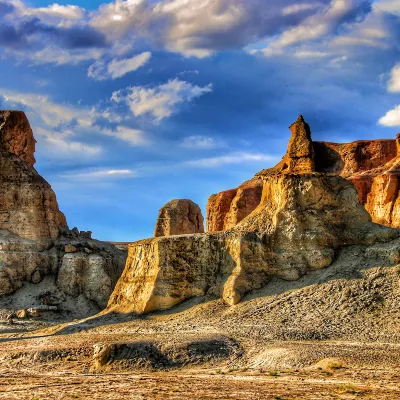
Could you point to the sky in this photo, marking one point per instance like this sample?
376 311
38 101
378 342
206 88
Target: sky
134 103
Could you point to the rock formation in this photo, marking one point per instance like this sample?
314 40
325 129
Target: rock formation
34 237
28 205
179 217
304 220
371 165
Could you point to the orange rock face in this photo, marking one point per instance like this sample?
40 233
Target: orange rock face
16 136
28 205
218 207
228 208
179 217
373 166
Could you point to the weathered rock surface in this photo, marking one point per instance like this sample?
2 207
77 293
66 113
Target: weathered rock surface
179 217
371 165
16 136
228 208
34 237
304 220
28 205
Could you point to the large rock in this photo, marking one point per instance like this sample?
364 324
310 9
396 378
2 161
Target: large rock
16 136
28 205
371 165
179 217
34 237
304 220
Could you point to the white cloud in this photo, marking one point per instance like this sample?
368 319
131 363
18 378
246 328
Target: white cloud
233 158
54 13
198 142
52 114
134 137
118 68
293 9
394 82
389 6
58 123
391 118
161 101
68 147
103 174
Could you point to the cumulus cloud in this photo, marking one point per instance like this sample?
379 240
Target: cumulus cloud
161 101
391 118
325 22
394 81
118 68
193 28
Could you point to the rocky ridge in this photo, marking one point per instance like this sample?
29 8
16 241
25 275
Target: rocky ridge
304 221
371 165
35 240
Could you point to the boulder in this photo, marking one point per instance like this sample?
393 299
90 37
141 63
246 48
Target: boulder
179 217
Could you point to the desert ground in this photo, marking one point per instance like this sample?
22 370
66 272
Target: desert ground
341 346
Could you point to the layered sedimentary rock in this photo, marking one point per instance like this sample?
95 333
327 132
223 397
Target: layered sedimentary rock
302 222
369 164
179 217
28 205
34 237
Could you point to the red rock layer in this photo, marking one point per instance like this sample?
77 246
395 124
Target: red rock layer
371 165
16 136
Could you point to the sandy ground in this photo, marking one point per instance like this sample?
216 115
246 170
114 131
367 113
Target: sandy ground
201 385
334 334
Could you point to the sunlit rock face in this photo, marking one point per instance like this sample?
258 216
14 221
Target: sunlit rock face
28 205
371 165
34 237
300 221
179 217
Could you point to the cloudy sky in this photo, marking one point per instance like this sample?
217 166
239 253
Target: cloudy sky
138 102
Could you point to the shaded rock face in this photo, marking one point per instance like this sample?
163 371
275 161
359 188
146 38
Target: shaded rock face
179 217
304 220
34 237
373 167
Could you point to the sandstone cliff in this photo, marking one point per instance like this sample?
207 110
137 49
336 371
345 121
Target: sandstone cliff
179 217
34 237
28 205
303 221
371 165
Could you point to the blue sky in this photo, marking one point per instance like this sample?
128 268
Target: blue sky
135 103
